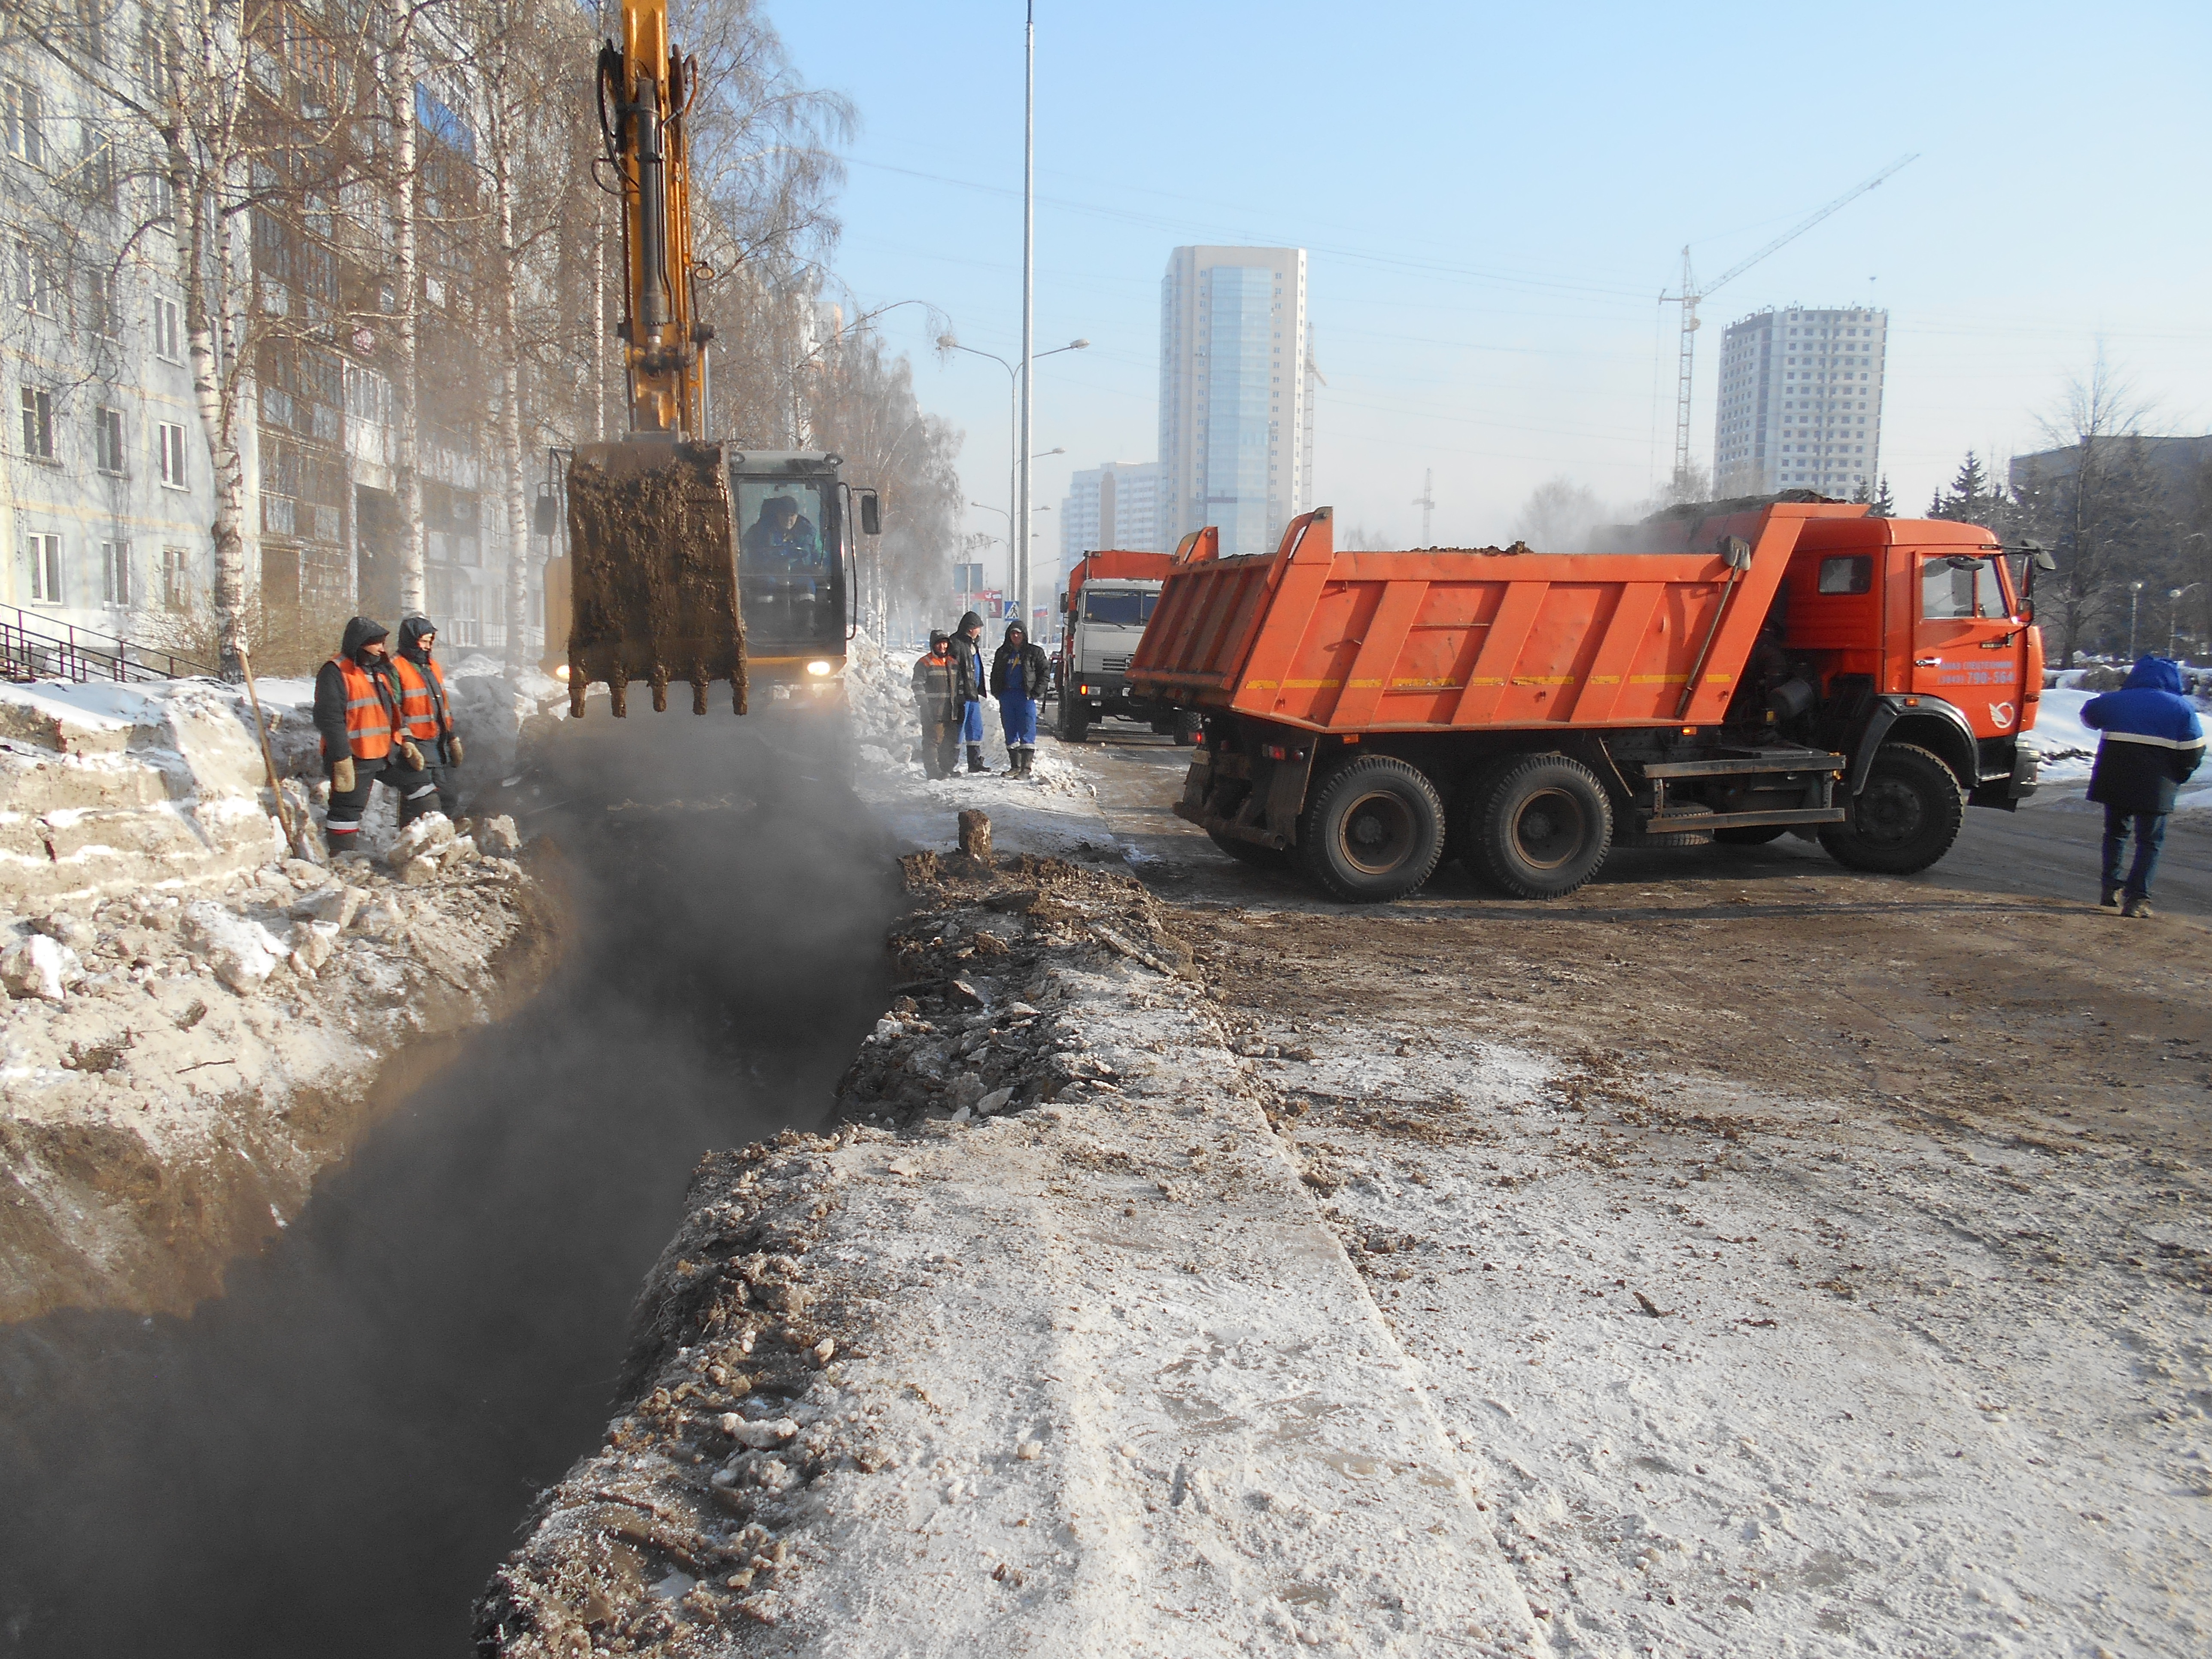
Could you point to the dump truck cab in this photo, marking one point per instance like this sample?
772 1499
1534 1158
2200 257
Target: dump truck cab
798 529
1108 600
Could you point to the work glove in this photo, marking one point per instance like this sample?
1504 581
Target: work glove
412 755
342 776
454 748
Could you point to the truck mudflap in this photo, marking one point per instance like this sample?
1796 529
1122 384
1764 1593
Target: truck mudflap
2007 792
1254 797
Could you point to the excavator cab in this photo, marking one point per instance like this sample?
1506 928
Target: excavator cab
798 560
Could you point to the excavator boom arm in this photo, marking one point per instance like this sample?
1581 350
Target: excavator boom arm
644 89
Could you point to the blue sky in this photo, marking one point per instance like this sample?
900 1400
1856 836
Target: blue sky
1493 196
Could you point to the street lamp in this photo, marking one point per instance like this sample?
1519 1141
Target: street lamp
2135 599
947 342
2173 597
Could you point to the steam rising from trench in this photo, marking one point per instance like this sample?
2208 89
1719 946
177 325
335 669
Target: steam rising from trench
331 1459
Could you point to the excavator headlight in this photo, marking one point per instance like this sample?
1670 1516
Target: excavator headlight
820 668
561 672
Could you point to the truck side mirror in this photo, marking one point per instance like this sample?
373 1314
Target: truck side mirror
871 514
546 514
1063 604
2042 560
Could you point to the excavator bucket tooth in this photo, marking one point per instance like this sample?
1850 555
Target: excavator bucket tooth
652 572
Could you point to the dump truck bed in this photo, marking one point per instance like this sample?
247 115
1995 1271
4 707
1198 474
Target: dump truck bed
1450 639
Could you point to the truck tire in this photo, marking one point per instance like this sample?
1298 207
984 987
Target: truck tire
1251 853
1372 830
1074 719
1905 819
1543 828
1755 835
1188 723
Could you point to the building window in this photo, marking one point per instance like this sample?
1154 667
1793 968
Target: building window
108 438
171 441
102 314
37 423
115 572
45 553
24 113
160 197
31 279
168 330
96 174
176 579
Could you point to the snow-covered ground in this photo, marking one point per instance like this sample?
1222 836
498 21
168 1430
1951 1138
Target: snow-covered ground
1746 1379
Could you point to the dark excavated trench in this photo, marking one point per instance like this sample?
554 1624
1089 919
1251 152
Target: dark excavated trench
331 1458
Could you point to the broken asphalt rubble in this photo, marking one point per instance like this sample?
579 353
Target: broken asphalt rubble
1046 1348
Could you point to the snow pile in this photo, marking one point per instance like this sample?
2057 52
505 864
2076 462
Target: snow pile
879 694
104 788
1087 1375
2063 747
178 1068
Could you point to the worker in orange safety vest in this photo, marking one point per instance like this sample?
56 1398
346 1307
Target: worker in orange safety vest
357 715
426 708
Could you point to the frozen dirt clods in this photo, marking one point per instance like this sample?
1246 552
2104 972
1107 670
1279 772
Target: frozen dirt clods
169 1097
1100 1379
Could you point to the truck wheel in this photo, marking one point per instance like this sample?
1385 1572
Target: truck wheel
1755 835
1074 719
1543 828
1251 853
1187 725
1905 819
1373 830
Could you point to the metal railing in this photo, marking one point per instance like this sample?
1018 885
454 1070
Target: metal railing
32 647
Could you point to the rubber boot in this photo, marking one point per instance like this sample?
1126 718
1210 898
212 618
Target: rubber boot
1028 756
976 758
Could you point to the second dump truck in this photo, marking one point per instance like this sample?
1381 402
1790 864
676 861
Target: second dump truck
1731 675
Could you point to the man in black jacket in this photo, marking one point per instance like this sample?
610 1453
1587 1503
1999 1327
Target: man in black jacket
357 715
1018 673
967 655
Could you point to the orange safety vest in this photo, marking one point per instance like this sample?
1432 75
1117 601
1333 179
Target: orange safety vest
426 715
368 712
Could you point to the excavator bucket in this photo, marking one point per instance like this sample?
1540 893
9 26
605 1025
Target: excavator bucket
652 572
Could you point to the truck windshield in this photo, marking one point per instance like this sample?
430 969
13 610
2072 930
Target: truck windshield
1123 609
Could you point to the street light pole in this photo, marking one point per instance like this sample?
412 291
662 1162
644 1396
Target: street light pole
2173 597
1029 304
2135 603
1017 415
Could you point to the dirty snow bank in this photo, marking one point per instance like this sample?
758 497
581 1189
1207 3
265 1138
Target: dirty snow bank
1086 1375
178 1065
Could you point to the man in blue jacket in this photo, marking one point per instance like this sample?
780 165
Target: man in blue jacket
2152 742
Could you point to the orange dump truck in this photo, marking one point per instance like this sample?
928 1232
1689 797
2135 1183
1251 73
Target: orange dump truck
1733 674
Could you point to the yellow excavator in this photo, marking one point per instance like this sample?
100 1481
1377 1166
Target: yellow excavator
660 574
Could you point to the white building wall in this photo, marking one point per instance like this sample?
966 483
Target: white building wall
93 374
1113 505
1800 404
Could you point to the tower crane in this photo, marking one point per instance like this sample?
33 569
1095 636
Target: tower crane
1692 295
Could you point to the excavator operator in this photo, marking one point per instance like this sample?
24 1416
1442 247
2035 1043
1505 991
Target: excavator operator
783 539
